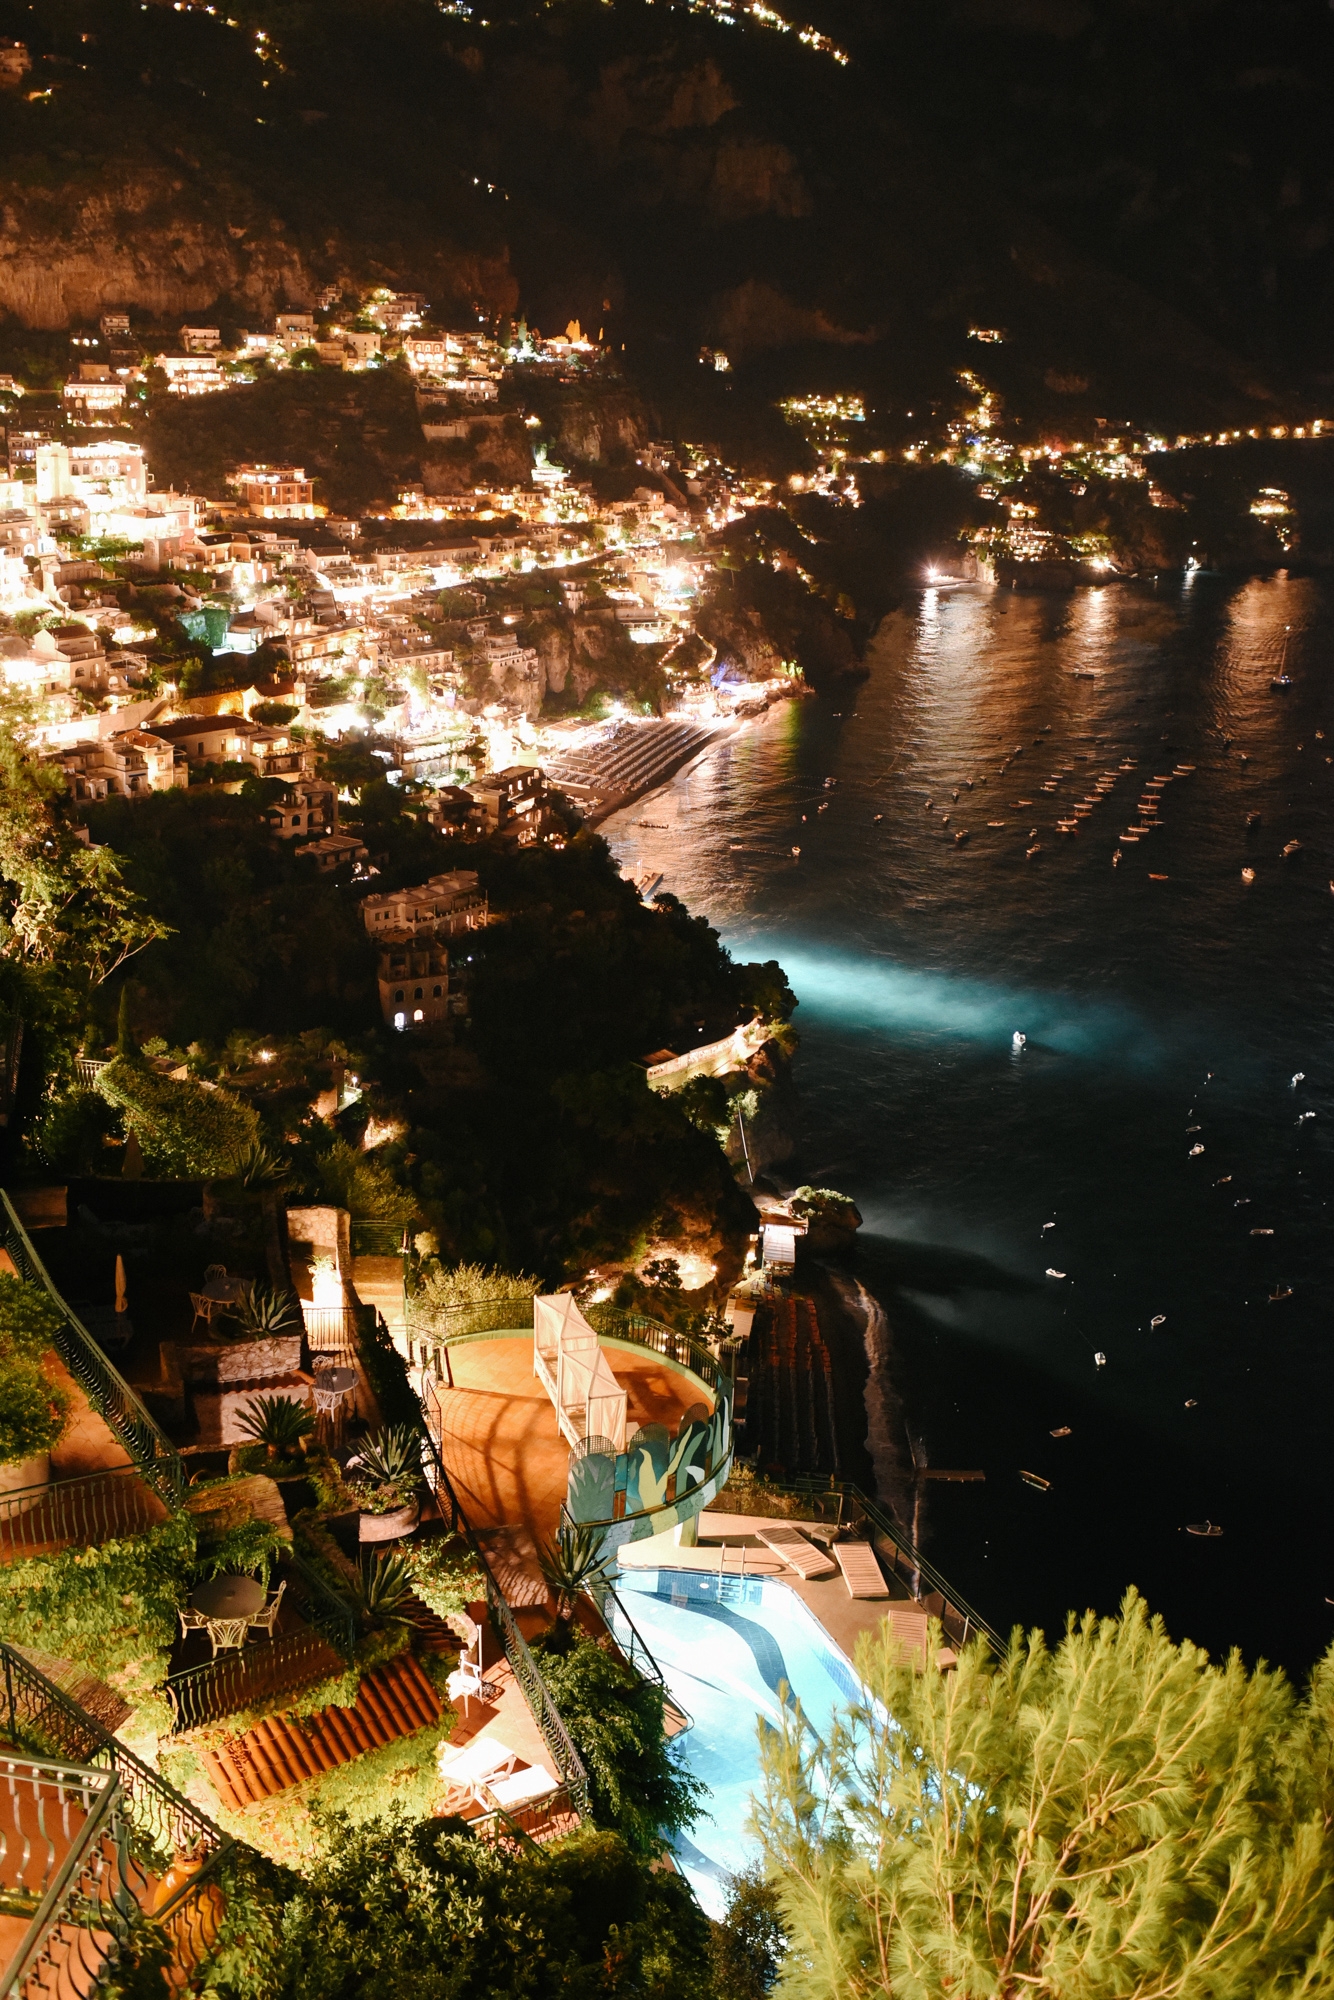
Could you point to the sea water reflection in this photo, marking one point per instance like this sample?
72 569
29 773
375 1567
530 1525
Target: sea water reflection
1150 1006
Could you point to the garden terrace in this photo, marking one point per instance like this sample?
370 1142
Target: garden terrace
500 1438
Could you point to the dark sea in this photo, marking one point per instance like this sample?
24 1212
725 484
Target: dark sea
1097 1191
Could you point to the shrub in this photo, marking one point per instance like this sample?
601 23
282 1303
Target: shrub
185 1130
445 1575
277 1422
636 1785
439 1305
32 1413
30 1319
112 1608
362 1185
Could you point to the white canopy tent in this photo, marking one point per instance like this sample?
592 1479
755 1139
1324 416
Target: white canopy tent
569 1362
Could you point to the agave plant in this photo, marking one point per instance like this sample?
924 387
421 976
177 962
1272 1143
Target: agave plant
390 1457
264 1312
258 1168
570 1565
385 1591
279 1423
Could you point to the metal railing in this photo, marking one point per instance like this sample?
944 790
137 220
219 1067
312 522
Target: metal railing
525 1827
369 1238
59 1845
238 1678
152 1451
682 1348
840 1503
451 1326
158 1835
439 1327
635 1649
541 1703
76 1513
332 1330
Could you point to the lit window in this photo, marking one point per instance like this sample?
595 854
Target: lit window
417 1014
400 1020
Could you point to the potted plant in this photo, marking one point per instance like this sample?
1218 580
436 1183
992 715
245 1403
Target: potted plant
386 1476
32 1416
280 1423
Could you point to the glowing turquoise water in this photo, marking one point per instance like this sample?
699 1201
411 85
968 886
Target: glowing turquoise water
916 960
727 1647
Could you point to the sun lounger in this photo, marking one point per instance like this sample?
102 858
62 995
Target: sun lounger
522 1787
799 1554
477 1763
908 1622
861 1572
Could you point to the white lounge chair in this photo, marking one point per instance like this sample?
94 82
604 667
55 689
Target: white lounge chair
861 1572
468 1680
788 1542
475 1763
522 1787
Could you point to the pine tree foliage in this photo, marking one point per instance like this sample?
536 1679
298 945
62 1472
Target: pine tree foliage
1115 1819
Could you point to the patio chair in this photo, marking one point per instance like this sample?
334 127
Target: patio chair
466 1681
521 1788
212 1271
191 1621
265 1620
205 1308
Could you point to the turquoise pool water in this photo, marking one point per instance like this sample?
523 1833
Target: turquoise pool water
726 1645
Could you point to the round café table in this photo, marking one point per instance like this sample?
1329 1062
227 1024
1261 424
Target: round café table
227 1604
332 1387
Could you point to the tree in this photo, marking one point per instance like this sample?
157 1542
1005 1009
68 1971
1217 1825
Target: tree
60 901
571 1564
637 1786
1115 1817
423 1908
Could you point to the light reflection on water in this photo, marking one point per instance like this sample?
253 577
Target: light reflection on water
916 959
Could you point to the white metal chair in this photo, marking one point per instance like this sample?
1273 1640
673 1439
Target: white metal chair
191 1621
204 1308
265 1620
466 1681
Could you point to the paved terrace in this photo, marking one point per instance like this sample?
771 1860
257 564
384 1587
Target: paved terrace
498 1437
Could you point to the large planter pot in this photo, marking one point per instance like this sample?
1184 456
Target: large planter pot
23 1472
389 1527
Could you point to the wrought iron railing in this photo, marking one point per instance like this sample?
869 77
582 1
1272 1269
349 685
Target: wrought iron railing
76 1513
569 1765
153 1453
239 1677
682 1348
634 1648
158 1835
840 1503
433 1327
525 1827
59 1836
332 1330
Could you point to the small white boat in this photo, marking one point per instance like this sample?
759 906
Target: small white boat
1159 1319
1018 1041
1208 1529
1036 848
1035 1479
1194 1150
1054 1274
1061 1431
1262 1232
1191 1403
1248 876
1100 1359
796 851
1299 1076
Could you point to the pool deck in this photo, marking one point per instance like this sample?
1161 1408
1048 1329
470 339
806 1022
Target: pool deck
498 1437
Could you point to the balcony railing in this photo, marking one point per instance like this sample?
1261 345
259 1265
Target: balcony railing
153 1453
332 1330
76 1513
60 1834
431 1331
569 1766
240 1677
156 1830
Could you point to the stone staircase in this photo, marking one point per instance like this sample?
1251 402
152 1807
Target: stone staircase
284 1750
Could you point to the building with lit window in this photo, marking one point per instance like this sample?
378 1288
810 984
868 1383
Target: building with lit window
276 492
413 978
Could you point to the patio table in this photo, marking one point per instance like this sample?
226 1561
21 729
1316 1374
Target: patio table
332 1387
227 1604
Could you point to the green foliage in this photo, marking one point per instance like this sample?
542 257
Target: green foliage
74 1131
247 1549
387 1373
262 1313
29 1319
571 1565
825 1203
1118 1816
749 1945
419 1907
390 1457
363 1185
113 1607
277 1422
636 1784
705 1103
185 1130
386 1590
32 1412
446 1575
440 1303
765 992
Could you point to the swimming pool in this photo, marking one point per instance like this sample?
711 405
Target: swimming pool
725 1645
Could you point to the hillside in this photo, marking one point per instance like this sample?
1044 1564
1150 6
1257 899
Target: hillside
1025 165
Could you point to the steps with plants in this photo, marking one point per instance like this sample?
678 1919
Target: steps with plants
284 1750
